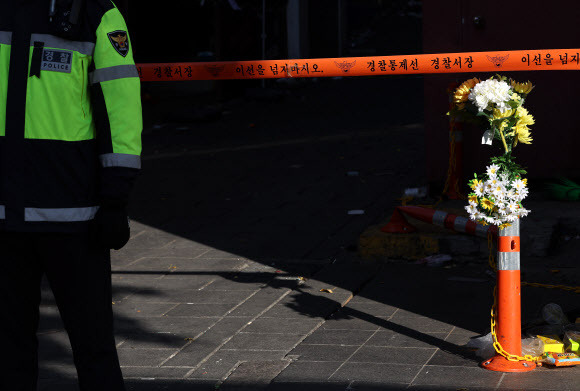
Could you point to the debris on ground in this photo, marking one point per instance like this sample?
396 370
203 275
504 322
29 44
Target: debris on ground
435 260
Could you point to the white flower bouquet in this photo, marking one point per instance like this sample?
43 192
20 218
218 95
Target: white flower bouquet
497 195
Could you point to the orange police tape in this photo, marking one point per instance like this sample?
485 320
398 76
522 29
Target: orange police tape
516 60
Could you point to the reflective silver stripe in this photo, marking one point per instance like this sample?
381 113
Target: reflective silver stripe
512 230
481 230
460 223
5 37
508 261
120 160
439 218
55 42
60 214
114 73
2 212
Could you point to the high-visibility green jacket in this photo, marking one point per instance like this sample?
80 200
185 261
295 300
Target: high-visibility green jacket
70 116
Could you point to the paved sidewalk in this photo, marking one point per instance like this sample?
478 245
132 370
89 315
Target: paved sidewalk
190 317
241 273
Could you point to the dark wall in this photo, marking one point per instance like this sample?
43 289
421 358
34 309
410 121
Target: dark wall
449 26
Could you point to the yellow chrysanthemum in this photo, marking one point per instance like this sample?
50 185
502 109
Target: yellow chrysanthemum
524 116
505 225
486 203
482 222
521 130
522 88
523 135
474 184
497 114
462 92
525 180
472 198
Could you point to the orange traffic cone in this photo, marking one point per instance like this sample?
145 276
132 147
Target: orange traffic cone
398 224
508 309
437 217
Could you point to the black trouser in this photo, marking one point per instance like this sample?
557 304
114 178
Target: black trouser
80 278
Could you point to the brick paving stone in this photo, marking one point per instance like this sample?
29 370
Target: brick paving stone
154 372
259 302
240 281
564 379
260 341
144 357
189 325
283 325
307 352
343 322
209 341
254 373
150 238
307 371
194 296
371 309
393 339
377 372
309 386
338 337
421 324
141 309
390 355
155 341
167 385
175 281
457 377
223 361
197 310
466 359
188 265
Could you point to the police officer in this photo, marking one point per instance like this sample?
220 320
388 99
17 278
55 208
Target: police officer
70 144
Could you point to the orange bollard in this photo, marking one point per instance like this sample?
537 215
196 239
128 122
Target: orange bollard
508 311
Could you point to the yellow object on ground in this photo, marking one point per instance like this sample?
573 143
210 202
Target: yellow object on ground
572 341
552 344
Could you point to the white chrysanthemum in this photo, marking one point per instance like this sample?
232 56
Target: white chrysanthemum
511 218
499 192
479 189
513 207
504 210
521 194
492 171
491 91
489 186
489 219
523 212
518 184
504 177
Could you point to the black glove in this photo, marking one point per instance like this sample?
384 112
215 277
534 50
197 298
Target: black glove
111 226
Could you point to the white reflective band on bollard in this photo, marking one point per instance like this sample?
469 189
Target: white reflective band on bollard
439 218
509 260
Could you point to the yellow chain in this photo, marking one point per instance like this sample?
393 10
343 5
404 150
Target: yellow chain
575 289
